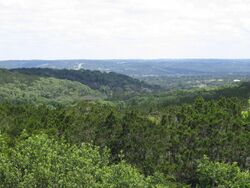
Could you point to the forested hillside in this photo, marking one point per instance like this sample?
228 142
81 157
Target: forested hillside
157 101
20 88
197 138
112 84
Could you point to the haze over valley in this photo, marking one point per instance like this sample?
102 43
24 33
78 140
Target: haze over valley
142 68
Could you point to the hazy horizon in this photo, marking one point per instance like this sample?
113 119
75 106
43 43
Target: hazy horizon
111 59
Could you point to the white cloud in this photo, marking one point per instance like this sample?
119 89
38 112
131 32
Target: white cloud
124 28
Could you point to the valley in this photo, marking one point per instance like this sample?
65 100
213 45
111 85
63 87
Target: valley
149 132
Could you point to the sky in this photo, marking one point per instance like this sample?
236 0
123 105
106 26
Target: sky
115 29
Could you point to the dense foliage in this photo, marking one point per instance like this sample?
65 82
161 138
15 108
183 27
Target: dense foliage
157 101
22 88
215 174
170 142
40 161
112 84
124 143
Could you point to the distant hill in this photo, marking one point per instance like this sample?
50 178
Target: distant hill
19 88
112 84
143 68
243 90
177 97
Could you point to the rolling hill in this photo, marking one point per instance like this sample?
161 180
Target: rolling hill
17 87
111 84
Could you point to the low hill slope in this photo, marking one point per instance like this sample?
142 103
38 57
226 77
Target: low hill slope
177 97
18 87
111 84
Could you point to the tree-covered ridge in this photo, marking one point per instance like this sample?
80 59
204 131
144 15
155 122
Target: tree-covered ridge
170 143
112 84
157 142
18 87
157 101
7 76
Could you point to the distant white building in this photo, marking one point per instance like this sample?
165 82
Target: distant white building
78 66
236 80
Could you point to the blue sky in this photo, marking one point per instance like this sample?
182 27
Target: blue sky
73 29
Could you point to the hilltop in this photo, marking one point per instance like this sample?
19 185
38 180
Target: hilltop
111 84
